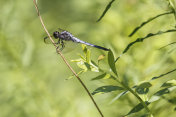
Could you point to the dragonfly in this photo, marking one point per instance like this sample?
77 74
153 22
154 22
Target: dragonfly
63 37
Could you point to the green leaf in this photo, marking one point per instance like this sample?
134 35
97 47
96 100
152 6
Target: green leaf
106 9
111 62
88 56
145 85
159 94
175 109
93 62
106 89
138 108
167 45
84 49
118 96
102 76
149 20
138 40
147 36
172 4
156 77
143 88
172 100
80 63
162 92
87 65
94 67
100 58
169 83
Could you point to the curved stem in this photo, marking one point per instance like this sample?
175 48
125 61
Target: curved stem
136 95
68 65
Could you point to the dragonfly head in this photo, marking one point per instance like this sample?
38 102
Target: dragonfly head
56 34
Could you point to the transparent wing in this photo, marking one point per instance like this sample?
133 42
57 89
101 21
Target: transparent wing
60 30
69 46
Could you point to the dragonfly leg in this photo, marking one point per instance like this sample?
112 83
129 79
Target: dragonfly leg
58 45
58 42
45 39
62 44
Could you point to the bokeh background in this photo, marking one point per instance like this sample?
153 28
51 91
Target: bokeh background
33 78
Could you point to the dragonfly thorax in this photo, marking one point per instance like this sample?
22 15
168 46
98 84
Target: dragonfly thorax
62 35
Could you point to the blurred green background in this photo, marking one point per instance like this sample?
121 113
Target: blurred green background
33 77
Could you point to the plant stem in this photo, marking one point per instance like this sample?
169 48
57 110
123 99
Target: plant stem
136 95
59 52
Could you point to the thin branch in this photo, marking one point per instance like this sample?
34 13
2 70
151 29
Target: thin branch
149 20
135 94
142 39
156 77
167 45
59 52
106 9
153 78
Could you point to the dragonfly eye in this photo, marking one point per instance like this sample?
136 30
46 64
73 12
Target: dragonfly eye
56 34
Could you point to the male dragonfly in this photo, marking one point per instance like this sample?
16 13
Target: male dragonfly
65 36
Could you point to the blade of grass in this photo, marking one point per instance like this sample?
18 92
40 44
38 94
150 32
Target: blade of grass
156 77
137 108
167 45
106 89
149 20
106 9
142 39
111 62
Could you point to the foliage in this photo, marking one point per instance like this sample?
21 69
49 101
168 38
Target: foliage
132 79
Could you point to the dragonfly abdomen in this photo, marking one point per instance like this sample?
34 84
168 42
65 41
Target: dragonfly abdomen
89 44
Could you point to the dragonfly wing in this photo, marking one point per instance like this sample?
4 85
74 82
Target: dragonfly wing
69 46
60 30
